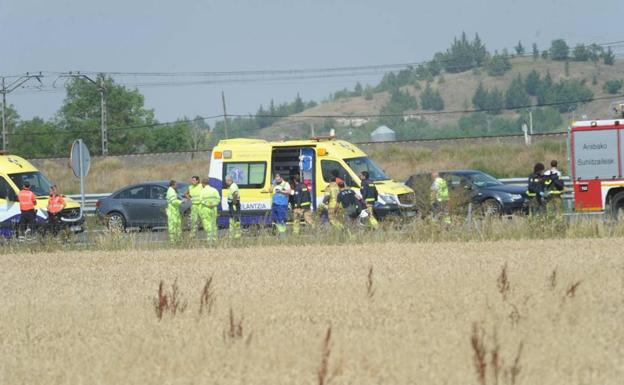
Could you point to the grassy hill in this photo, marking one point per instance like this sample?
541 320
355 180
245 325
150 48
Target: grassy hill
457 91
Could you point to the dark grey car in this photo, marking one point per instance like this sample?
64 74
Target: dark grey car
139 205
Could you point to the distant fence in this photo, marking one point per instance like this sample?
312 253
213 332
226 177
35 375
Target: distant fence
91 199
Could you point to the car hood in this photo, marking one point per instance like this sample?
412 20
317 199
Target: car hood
507 188
392 187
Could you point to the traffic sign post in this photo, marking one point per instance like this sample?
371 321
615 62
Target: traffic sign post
80 161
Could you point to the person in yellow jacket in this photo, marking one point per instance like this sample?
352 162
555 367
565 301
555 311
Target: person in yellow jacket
193 193
440 198
331 201
209 199
174 219
234 206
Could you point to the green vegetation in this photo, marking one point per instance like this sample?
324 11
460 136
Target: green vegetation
613 86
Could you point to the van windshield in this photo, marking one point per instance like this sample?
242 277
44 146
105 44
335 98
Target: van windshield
363 163
39 185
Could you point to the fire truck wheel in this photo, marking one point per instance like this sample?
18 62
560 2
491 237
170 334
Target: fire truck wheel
617 206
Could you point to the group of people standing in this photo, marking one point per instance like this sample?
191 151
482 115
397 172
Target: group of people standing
204 202
27 199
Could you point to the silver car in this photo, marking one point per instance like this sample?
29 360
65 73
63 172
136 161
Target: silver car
139 205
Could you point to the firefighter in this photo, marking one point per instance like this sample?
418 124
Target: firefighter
554 185
440 198
302 202
28 218
234 207
56 204
536 191
279 205
174 219
193 193
347 206
369 197
210 199
329 200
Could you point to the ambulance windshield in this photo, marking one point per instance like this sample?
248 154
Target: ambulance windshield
38 183
363 163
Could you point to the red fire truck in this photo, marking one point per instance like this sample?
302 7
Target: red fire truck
596 164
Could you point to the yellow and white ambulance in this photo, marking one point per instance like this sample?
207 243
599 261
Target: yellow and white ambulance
253 163
14 171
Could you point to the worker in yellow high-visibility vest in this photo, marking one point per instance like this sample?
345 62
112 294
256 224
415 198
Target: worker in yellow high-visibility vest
440 198
210 200
234 206
193 193
174 219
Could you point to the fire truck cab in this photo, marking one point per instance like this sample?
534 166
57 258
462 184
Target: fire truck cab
596 155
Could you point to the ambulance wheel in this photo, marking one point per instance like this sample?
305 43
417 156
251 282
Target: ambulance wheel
116 222
617 206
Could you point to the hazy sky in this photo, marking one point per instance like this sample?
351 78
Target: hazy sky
193 35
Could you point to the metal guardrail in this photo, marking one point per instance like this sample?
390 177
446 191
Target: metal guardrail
91 199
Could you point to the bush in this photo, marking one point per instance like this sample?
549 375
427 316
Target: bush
559 50
430 99
613 86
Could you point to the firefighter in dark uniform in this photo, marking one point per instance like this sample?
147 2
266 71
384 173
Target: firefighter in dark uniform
536 189
301 204
347 206
369 197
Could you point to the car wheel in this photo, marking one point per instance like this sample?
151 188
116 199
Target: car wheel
116 222
491 207
617 206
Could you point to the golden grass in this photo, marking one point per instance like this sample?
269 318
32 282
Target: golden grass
88 317
400 161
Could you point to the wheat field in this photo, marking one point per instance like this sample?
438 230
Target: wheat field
507 312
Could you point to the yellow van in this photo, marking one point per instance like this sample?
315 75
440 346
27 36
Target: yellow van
253 163
14 171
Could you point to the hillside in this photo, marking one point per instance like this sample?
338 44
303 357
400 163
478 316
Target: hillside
457 91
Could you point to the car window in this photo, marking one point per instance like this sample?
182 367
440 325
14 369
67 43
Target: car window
246 175
6 191
456 180
158 192
137 192
330 167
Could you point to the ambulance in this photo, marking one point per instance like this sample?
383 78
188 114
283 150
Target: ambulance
253 163
14 171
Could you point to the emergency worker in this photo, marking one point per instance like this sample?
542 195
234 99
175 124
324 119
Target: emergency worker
234 207
336 174
210 200
329 199
56 204
174 219
279 205
554 185
536 191
347 207
302 202
369 197
28 218
193 193
440 198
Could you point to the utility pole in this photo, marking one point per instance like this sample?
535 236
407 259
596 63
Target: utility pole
101 87
224 114
7 89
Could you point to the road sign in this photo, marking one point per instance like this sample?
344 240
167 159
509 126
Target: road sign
80 158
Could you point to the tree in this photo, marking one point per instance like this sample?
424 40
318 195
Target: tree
298 105
613 86
12 121
519 49
128 119
498 65
608 57
494 101
567 95
532 83
49 140
368 93
357 91
545 54
479 99
535 52
516 95
400 101
559 50
580 53
430 99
